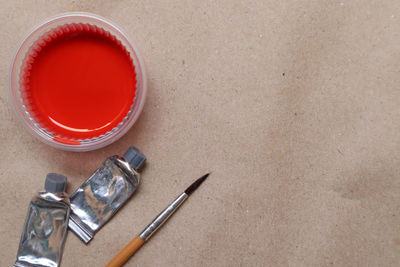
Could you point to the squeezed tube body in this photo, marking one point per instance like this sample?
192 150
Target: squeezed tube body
45 228
99 198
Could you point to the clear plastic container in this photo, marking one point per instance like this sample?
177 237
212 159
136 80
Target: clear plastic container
21 102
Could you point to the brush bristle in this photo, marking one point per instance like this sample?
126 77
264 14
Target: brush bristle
196 184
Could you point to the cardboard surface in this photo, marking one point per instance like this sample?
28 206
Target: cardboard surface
293 105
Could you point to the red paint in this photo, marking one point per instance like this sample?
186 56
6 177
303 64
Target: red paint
81 82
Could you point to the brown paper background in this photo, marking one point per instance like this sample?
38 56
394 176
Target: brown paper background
293 105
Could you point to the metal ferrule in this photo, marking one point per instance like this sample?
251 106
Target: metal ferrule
162 217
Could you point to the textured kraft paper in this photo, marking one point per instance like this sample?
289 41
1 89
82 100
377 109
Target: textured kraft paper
294 106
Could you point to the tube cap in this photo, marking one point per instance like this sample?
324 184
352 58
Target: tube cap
55 183
134 157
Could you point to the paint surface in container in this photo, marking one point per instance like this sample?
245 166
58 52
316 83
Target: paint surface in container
80 82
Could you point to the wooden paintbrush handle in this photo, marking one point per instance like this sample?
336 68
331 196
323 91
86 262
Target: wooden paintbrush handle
126 252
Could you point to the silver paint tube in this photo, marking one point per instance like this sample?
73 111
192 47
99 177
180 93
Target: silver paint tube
99 198
42 240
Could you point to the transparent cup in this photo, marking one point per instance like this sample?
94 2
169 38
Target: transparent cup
22 106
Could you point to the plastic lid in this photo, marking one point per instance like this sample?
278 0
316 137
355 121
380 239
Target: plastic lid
134 157
55 183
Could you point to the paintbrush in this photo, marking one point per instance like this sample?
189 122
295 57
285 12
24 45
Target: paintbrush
139 240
